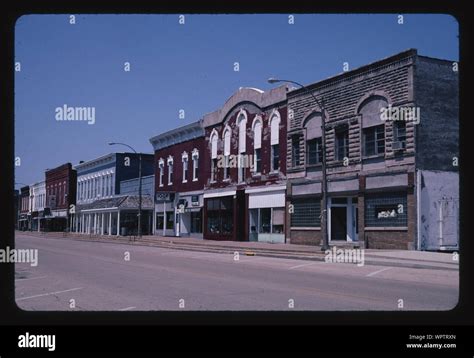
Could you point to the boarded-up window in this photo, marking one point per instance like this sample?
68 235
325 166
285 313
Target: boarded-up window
371 111
313 128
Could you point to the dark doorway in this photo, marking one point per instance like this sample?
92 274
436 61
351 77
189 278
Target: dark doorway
338 223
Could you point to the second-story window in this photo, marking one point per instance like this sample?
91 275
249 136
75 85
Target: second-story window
257 145
213 141
195 164
342 143
170 170
226 153
185 167
161 165
374 140
295 151
399 134
242 123
274 142
314 151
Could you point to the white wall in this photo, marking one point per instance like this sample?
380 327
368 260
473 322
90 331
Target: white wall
438 188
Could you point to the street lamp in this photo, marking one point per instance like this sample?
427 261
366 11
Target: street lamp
139 186
324 188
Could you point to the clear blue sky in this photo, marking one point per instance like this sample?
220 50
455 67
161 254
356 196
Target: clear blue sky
174 67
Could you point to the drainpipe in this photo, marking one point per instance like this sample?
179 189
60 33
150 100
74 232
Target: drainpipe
418 210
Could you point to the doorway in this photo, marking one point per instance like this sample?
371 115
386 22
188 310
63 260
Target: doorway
342 217
338 223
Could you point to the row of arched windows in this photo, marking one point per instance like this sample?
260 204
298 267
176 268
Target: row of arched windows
257 130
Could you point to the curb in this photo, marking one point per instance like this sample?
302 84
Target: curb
295 255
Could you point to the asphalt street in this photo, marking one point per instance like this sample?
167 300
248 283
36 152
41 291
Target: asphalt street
90 276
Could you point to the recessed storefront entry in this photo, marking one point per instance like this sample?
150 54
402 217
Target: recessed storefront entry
342 215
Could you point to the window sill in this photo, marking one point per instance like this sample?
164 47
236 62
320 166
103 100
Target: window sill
386 228
195 179
185 181
373 156
305 228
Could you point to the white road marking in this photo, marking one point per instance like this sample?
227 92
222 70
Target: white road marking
376 272
31 278
302 265
127 308
48 294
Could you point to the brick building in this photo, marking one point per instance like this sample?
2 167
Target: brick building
24 217
245 166
180 174
391 136
60 185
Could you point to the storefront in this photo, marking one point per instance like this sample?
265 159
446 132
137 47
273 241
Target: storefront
116 216
224 215
165 214
189 215
266 214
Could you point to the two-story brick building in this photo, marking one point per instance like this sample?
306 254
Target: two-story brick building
391 136
245 162
24 217
180 174
60 185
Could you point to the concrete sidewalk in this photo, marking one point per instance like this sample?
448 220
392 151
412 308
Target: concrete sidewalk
393 258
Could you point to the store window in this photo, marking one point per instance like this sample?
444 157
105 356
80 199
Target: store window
196 222
386 209
220 216
159 221
267 221
306 212
169 220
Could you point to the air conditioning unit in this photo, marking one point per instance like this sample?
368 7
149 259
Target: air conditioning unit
398 145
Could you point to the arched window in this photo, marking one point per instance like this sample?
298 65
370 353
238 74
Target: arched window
226 138
213 141
170 170
257 144
242 123
373 128
195 157
275 141
314 153
184 158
